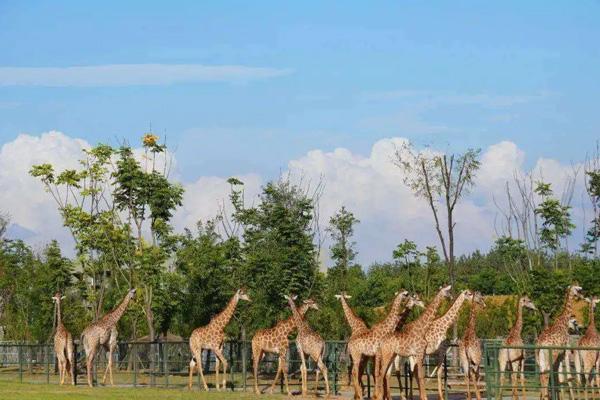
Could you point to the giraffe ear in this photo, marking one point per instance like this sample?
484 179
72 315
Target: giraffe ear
338 296
588 299
62 297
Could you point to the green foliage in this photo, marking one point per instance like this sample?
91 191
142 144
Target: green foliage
556 218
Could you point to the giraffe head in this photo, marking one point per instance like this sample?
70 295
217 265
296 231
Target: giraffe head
343 295
445 291
414 301
593 300
57 297
526 302
311 304
131 293
575 291
573 325
242 295
478 299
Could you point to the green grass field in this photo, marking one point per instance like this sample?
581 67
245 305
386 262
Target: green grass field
10 391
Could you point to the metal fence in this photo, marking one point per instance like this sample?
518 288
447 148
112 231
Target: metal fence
564 378
166 364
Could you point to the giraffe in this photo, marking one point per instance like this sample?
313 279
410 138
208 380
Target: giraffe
589 359
435 336
367 343
556 334
308 342
413 345
513 358
425 318
469 348
104 333
211 337
63 344
357 326
275 340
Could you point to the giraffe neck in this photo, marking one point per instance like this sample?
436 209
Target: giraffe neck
403 317
472 319
115 315
450 317
222 319
288 325
353 320
420 324
562 321
298 320
391 320
58 313
518 326
591 329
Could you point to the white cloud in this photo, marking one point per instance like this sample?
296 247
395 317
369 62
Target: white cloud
368 185
133 74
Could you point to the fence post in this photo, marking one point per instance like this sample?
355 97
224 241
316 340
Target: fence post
166 361
445 376
551 392
20 353
134 355
335 366
47 348
74 364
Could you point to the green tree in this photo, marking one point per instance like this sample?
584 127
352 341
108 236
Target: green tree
555 219
341 230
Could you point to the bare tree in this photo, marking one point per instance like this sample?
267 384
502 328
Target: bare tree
442 180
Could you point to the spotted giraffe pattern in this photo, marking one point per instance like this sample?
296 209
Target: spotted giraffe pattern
63 344
587 360
212 337
104 333
367 343
514 358
556 334
413 345
275 340
469 348
436 335
309 342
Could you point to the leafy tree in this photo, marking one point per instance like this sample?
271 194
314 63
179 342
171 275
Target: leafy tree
341 229
555 218
440 179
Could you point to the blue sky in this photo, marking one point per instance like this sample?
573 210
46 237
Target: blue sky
250 88
454 74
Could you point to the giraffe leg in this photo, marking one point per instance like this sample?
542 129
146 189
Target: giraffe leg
221 356
476 383
284 369
198 356
279 364
217 369
60 369
256 357
439 372
521 367
71 362
191 374
466 367
420 372
356 357
323 369
303 372
90 364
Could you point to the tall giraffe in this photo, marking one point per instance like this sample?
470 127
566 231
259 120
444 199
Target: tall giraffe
357 326
556 334
309 342
367 343
211 337
63 344
416 327
104 333
275 340
435 336
413 345
513 358
589 358
469 348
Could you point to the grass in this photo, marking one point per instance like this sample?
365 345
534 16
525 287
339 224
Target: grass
11 390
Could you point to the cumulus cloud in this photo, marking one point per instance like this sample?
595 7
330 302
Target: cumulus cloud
369 185
133 74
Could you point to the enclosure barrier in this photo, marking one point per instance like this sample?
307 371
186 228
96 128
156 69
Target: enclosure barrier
166 364
563 380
